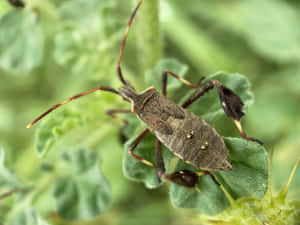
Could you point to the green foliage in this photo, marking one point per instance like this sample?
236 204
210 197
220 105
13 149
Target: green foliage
271 209
28 216
253 25
54 49
7 178
259 23
21 42
63 122
69 123
81 193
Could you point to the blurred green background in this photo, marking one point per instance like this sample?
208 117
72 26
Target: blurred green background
54 49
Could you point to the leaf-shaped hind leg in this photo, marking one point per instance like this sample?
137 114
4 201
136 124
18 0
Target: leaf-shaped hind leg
230 102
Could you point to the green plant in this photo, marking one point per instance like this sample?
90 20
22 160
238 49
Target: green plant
52 49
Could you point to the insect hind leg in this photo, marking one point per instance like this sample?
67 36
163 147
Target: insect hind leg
188 178
230 102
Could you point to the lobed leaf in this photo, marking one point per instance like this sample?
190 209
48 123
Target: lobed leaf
76 122
82 193
56 126
21 42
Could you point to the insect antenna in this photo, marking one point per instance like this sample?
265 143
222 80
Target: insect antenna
71 99
119 70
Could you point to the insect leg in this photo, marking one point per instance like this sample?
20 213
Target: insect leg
133 146
112 112
160 169
231 104
165 80
119 70
188 178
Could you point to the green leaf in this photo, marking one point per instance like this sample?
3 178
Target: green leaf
154 76
249 177
209 107
82 193
87 38
28 216
56 126
250 169
21 42
7 178
4 7
85 14
75 124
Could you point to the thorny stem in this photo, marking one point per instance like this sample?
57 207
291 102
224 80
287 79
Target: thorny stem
148 35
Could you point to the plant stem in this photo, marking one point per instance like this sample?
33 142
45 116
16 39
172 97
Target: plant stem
148 34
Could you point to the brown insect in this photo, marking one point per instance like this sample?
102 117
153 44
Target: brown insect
185 134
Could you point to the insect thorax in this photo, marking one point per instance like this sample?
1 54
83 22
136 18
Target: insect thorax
138 100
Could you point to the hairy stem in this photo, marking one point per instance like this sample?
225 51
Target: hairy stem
148 34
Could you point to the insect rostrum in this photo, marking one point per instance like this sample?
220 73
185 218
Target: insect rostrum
185 134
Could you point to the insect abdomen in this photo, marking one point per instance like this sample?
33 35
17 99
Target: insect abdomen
197 143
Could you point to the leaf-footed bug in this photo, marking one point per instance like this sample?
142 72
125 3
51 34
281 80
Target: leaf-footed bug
186 135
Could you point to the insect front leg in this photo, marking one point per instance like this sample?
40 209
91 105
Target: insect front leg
112 112
230 102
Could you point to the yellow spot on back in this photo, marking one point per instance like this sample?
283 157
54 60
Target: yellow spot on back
190 135
205 146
